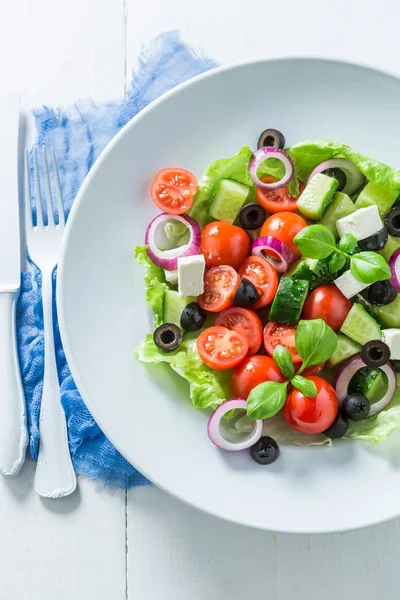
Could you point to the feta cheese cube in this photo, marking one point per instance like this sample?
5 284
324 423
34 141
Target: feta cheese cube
191 275
391 337
349 285
171 276
362 223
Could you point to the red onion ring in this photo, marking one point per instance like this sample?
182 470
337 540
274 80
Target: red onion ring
222 442
273 250
349 368
394 264
260 156
354 178
155 239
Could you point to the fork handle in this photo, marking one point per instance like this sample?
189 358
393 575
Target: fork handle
55 475
13 431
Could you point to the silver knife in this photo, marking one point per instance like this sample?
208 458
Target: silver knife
13 430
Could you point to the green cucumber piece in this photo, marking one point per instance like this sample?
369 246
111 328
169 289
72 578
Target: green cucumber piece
316 196
345 348
391 246
369 381
229 197
289 300
389 315
377 195
316 272
341 206
360 326
174 305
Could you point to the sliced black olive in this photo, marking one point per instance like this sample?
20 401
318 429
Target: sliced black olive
356 407
376 241
265 451
271 137
381 293
246 294
193 317
392 221
375 353
337 174
252 216
338 428
167 337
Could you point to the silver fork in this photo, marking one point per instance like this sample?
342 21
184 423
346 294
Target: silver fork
55 476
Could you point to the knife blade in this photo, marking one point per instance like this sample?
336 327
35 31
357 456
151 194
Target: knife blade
13 431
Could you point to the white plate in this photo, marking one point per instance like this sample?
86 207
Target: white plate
103 314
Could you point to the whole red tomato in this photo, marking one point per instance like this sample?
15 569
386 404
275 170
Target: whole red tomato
328 303
251 372
312 415
224 244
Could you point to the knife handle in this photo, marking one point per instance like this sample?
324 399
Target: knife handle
13 430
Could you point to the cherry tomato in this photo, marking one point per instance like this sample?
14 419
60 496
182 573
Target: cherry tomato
252 371
224 244
173 190
260 272
312 415
284 226
220 285
328 303
277 200
220 348
277 334
313 370
244 321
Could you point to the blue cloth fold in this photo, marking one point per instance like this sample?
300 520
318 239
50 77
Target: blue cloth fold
78 134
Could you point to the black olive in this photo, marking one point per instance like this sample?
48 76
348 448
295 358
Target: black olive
375 353
376 241
252 216
337 174
338 428
356 407
392 221
396 365
271 137
265 451
193 317
381 293
167 337
246 294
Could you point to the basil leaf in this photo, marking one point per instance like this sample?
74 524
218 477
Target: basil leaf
305 386
315 342
369 267
315 241
283 359
347 243
266 399
336 262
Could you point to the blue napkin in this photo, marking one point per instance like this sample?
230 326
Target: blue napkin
78 134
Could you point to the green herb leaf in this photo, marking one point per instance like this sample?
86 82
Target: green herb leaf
283 359
305 386
369 267
315 241
265 400
347 243
336 262
315 342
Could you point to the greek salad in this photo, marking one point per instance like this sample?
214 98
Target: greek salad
274 283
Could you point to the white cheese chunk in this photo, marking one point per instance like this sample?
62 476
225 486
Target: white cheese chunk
362 223
349 285
191 275
391 337
171 276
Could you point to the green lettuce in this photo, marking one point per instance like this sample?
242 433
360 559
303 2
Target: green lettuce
155 283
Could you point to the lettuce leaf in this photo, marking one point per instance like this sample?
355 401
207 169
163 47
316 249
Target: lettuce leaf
155 283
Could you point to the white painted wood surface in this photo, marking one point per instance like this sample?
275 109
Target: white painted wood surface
54 52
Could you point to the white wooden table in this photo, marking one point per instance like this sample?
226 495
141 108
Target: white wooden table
143 545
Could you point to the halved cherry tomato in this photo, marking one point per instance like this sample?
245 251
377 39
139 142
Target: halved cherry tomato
277 200
253 371
260 272
328 303
224 244
244 321
220 348
173 190
284 226
277 334
220 285
312 415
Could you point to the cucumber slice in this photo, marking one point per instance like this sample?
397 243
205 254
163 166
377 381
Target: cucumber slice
389 315
377 195
360 326
341 206
316 272
316 196
345 348
289 300
391 246
228 199
371 382
174 305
